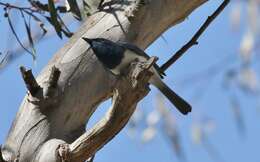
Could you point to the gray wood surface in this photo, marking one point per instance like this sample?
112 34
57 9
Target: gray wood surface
52 128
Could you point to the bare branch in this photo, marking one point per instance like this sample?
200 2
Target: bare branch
30 81
124 101
194 39
63 152
52 82
91 159
38 132
27 9
54 77
1 158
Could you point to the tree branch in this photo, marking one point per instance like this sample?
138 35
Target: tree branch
31 84
124 101
28 9
84 84
194 39
1 157
52 82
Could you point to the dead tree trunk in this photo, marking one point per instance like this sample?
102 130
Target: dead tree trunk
50 124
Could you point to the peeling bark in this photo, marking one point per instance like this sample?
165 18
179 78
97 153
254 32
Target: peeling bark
43 123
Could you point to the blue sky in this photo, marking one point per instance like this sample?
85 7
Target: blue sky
216 43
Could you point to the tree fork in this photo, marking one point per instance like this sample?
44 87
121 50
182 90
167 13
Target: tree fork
129 91
84 83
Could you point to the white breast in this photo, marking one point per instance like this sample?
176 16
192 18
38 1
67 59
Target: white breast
130 57
127 59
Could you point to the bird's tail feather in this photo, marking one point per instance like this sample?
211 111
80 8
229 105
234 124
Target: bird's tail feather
183 106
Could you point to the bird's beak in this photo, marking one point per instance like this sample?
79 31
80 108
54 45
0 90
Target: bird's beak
87 40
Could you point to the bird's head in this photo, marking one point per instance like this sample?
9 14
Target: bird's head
97 42
89 41
100 46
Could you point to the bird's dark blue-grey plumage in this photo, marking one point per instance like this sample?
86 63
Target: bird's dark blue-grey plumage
110 53
140 52
117 56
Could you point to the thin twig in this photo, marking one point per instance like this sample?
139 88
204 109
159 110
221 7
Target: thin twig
8 5
194 39
37 37
15 34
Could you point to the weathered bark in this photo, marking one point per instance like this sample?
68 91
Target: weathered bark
48 120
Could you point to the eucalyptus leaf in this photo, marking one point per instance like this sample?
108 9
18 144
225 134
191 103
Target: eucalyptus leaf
91 7
29 35
15 34
53 19
74 9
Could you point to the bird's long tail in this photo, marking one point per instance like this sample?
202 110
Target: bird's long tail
183 106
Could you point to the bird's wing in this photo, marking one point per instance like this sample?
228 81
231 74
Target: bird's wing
134 48
140 52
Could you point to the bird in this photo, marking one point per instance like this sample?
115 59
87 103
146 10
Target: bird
117 56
